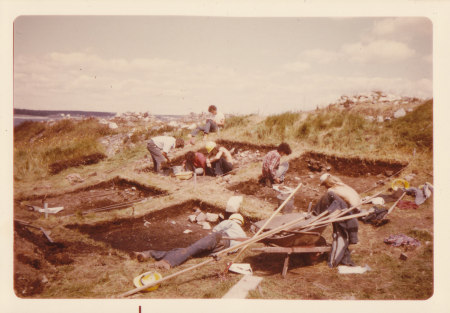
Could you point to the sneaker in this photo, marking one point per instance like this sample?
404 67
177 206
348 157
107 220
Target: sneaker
141 257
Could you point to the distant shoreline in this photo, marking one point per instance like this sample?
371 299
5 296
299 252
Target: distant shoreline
22 115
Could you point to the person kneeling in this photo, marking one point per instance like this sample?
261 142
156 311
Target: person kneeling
272 170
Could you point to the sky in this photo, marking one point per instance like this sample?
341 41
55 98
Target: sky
183 64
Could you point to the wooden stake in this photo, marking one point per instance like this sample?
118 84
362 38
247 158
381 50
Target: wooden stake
242 244
392 207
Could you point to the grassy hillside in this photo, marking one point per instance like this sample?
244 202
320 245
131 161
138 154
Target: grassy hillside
345 132
37 146
70 269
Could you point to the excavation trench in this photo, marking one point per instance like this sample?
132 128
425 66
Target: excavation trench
358 173
164 229
117 193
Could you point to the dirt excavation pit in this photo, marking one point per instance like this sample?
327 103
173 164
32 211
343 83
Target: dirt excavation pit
362 175
243 153
36 258
117 193
164 229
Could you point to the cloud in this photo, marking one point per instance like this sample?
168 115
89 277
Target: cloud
85 81
404 26
296 66
320 56
428 58
384 51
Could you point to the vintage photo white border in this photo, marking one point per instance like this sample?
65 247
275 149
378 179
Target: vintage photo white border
437 11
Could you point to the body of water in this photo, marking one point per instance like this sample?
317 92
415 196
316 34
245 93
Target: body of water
19 119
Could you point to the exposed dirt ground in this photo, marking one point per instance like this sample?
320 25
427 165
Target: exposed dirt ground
40 264
37 259
57 167
112 194
362 175
161 230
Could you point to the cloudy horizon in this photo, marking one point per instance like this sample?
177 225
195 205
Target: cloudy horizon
182 64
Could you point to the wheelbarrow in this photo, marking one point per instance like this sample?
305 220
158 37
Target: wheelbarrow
292 240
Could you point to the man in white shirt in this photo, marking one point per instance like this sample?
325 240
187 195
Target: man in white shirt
212 124
218 240
159 147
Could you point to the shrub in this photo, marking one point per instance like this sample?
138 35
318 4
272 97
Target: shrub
236 121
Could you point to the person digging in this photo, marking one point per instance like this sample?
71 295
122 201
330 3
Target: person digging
221 238
339 196
159 148
272 171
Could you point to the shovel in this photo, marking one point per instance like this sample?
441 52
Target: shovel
45 232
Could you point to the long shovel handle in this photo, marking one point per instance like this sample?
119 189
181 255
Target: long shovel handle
270 218
395 204
242 244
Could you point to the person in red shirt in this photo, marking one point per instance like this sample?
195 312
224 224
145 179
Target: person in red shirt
272 170
194 161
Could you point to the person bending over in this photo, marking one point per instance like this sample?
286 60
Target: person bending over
219 159
339 196
159 147
195 162
272 170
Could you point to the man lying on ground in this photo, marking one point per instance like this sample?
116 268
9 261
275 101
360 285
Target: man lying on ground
159 147
339 196
219 159
272 170
214 242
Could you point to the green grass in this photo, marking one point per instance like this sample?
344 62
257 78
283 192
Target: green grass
277 126
415 130
236 121
36 145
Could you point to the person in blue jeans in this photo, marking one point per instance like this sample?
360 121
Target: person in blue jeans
212 124
221 238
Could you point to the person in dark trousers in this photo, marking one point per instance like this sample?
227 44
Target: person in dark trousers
221 238
272 170
212 124
159 147
339 196
219 160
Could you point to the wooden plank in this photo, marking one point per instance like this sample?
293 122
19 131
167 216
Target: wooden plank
292 249
285 266
241 289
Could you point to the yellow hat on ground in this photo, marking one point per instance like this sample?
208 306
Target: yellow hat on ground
399 183
237 217
146 279
210 145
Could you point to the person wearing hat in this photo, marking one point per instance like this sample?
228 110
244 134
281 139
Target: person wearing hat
219 159
213 123
221 238
159 147
272 170
339 196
